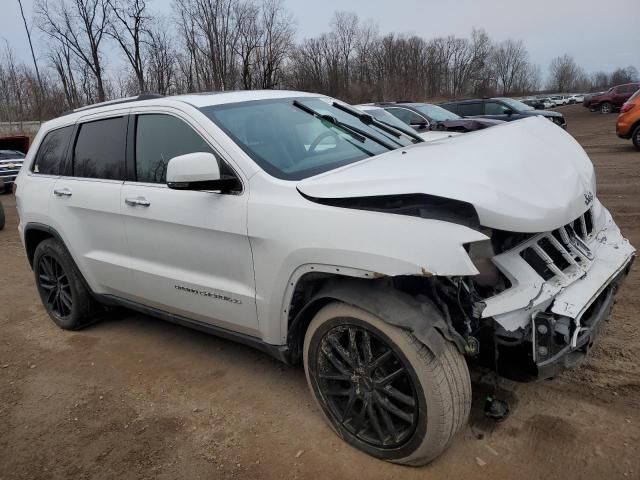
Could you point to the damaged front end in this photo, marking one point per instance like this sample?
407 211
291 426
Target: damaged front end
540 298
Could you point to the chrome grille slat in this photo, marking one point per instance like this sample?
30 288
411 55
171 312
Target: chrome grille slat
547 259
568 257
564 244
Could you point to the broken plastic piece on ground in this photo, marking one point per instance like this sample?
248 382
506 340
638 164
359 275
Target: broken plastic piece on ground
496 409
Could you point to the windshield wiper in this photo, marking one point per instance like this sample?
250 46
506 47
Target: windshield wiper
369 119
355 132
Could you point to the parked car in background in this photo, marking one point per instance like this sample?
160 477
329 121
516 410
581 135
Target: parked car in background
536 103
628 124
501 108
12 153
319 235
560 100
613 99
547 102
587 99
10 164
391 120
576 98
425 117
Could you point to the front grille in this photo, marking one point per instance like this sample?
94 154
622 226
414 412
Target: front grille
553 253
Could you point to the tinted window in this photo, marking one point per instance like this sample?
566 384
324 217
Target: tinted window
470 109
50 158
407 116
159 138
495 108
100 149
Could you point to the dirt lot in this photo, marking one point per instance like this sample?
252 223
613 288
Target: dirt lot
134 397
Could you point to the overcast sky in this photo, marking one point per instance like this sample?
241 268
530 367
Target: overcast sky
600 35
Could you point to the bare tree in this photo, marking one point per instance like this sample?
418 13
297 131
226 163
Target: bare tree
162 59
81 26
563 73
129 29
40 92
509 60
277 29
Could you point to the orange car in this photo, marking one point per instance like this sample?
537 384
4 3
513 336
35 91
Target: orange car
628 125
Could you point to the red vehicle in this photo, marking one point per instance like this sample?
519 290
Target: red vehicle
613 99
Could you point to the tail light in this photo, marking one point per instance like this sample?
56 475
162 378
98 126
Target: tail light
626 107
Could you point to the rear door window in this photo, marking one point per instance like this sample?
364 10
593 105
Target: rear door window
470 109
495 108
51 156
100 149
159 138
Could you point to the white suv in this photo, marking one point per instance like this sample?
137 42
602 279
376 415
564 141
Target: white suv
293 223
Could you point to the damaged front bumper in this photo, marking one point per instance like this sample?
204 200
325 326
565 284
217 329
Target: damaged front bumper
563 284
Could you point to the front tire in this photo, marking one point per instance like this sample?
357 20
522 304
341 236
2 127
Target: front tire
606 108
61 289
381 389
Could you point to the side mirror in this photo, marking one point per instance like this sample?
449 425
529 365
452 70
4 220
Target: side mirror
199 171
509 112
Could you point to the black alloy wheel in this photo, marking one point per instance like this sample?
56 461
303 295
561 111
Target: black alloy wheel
55 284
367 386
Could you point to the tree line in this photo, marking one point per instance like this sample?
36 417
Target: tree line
95 50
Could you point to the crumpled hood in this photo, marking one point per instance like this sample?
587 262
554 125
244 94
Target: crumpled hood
524 176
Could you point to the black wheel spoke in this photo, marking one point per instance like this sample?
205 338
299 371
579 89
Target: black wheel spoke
338 392
335 376
66 299
353 347
341 367
381 359
373 418
399 396
391 408
366 385
390 377
349 407
362 416
385 418
55 287
366 347
333 341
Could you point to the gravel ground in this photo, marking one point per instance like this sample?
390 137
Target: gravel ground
134 397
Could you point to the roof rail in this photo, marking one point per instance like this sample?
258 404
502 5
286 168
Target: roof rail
144 96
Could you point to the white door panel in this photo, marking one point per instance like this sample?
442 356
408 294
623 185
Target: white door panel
190 254
87 215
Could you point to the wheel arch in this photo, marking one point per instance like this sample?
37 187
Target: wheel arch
376 296
36 233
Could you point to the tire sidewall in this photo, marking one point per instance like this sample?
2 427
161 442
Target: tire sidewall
398 340
53 249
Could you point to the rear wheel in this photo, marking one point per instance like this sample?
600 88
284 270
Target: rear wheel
606 107
60 286
382 390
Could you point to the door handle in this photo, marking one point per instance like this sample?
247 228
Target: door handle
137 201
62 192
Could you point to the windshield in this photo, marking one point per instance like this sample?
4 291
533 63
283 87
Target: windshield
386 117
436 113
293 143
515 105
